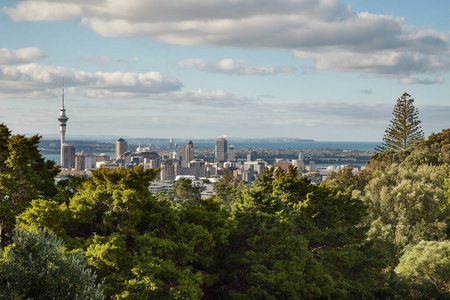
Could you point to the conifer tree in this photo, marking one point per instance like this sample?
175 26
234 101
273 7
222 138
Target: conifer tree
404 128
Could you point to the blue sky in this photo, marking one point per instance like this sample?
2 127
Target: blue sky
320 69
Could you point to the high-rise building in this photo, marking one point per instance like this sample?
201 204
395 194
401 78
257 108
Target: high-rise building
170 168
252 156
80 161
62 129
121 147
187 153
171 143
231 153
68 154
221 149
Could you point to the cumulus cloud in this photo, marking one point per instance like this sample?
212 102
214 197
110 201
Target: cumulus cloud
36 80
41 81
388 63
22 55
232 66
327 32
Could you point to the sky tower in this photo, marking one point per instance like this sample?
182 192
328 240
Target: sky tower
62 126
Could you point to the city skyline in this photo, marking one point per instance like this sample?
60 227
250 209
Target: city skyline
323 70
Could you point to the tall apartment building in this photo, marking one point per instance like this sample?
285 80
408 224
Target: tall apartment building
170 168
187 153
252 156
68 156
80 161
121 147
221 149
231 153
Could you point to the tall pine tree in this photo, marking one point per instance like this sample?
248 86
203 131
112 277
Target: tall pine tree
404 128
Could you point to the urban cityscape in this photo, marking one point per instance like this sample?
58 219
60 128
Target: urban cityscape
224 149
204 169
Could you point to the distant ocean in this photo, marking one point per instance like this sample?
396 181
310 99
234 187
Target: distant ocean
367 146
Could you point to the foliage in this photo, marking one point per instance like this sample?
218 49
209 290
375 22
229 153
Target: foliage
424 271
69 187
37 266
24 176
282 237
404 128
183 192
267 260
331 222
141 246
407 204
346 180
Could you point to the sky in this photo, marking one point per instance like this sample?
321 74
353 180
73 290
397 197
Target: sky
329 70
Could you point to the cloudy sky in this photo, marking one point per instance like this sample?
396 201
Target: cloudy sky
329 70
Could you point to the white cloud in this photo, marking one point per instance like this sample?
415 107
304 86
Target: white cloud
36 80
44 10
41 81
387 63
327 32
22 55
232 66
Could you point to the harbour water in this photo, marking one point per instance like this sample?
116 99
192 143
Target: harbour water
367 146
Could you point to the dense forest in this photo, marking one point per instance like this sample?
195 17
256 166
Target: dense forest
379 234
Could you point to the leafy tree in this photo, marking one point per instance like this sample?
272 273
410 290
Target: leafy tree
404 128
67 188
183 192
424 271
437 147
24 175
140 246
329 219
407 204
227 189
37 266
346 180
268 260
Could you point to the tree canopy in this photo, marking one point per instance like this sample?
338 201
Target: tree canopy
424 270
24 175
37 266
382 232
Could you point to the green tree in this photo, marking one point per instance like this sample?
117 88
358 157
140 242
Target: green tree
407 204
331 222
184 193
143 248
404 128
346 180
424 271
24 175
268 260
37 266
